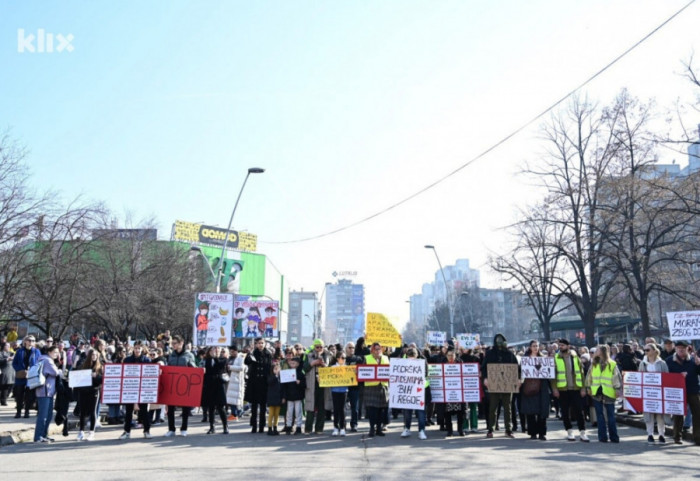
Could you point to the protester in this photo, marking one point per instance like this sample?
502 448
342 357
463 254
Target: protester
259 364
604 384
7 373
45 395
412 353
653 363
274 399
453 408
339 396
25 357
214 389
137 357
569 390
317 398
499 354
376 393
294 393
669 349
89 395
535 399
236 383
179 356
352 359
689 366
471 422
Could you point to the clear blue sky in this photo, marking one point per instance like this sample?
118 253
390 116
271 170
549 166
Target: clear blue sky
349 105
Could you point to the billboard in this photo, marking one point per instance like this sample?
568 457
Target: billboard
254 318
213 313
207 234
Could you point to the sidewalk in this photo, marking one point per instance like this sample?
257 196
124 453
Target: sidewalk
13 431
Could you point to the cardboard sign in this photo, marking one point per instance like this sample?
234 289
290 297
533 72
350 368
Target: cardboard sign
337 376
684 325
454 383
468 341
372 372
80 378
537 367
503 378
654 392
181 386
288 375
379 329
130 383
437 338
407 384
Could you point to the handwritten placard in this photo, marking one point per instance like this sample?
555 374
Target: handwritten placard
337 376
503 378
537 367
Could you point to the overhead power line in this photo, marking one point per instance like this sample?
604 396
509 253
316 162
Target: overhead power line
492 147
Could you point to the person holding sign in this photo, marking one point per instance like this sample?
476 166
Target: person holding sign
498 354
376 393
453 408
89 395
604 384
293 393
535 397
412 353
179 356
683 363
137 357
339 395
654 363
315 395
568 388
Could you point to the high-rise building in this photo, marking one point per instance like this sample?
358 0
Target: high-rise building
345 312
303 318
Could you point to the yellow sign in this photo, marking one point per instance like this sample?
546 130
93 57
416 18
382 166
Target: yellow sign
379 329
337 376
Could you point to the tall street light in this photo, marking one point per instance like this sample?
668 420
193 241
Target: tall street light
447 292
219 269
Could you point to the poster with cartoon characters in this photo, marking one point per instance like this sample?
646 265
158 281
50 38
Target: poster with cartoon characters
213 319
254 318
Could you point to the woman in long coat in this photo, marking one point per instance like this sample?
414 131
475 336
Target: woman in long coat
236 384
535 398
214 389
259 363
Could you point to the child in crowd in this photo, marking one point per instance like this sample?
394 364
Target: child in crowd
274 399
293 393
339 395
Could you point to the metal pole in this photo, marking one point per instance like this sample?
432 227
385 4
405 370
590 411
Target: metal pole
447 291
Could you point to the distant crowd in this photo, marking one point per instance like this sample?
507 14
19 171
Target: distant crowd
586 389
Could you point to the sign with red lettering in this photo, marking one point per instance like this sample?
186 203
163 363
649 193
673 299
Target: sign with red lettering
181 386
654 392
130 383
454 383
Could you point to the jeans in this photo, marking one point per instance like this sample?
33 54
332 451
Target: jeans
354 398
408 417
294 410
611 423
114 411
43 418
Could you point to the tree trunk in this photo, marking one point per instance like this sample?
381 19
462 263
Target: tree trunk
589 328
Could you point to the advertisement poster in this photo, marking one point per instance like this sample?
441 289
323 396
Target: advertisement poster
213 319
256 318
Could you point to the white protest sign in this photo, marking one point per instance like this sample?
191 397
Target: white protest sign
288 375
437 338
537 367
407 384
684 325
80 378
468 341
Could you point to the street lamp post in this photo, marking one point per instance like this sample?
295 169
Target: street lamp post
219 270
447 292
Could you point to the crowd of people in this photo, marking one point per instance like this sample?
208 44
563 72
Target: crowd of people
586 389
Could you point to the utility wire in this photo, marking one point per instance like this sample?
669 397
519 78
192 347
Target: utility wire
493 147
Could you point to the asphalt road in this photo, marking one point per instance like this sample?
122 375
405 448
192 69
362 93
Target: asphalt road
258 456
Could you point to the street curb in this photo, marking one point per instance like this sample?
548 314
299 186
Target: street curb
26 435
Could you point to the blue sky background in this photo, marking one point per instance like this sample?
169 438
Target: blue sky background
349 105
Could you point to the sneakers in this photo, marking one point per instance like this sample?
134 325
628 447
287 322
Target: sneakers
81 436
584 437
98 425
473 430
335 432
662 439
650 439
43 440
232 418
183 433
342 432
422 435
91 436
147 435
170 434
570 435
406 433
489 434
124 436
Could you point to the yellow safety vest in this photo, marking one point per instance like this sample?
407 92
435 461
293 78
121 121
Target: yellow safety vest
369 359
604 379
561 371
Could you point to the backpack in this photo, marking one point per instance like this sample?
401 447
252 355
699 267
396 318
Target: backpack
35 376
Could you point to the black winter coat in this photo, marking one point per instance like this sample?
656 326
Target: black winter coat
259 368
291 391
274 391
214 389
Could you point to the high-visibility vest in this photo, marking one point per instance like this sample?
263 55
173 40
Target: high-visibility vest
603 378
561 371
369 359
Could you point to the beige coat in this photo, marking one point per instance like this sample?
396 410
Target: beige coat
311 381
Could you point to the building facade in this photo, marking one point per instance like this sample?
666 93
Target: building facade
303 319
345 312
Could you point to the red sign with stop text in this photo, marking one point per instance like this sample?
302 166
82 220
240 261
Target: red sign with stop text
181 386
